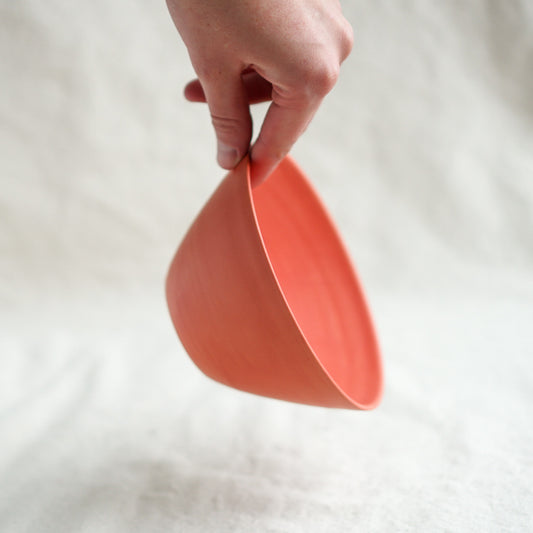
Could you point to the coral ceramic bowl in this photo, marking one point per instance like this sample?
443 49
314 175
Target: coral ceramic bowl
264 298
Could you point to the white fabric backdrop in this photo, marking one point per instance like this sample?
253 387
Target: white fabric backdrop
424 155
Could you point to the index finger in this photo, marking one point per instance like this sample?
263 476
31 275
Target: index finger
287 118
280 130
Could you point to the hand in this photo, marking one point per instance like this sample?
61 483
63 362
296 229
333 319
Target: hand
247 51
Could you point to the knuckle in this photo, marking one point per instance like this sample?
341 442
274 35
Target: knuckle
313 82
322 77
346 40
226 126
235 131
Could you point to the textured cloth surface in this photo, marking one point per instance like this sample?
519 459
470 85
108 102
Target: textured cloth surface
423 153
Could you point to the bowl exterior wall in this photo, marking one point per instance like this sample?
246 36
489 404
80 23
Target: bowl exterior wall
229 312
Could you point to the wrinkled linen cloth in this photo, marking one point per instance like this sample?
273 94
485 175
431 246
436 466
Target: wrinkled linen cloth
423 154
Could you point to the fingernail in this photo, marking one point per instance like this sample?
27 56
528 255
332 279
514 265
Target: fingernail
227 156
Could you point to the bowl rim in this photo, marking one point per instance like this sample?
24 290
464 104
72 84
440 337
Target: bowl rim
375 351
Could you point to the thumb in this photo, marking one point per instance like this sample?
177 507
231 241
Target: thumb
230 113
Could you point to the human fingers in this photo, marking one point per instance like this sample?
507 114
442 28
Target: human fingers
230 114
287 118
194 92
257 89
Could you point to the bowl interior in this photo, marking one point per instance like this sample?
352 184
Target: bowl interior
318 282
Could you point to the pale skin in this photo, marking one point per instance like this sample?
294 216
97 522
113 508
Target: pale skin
248 51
